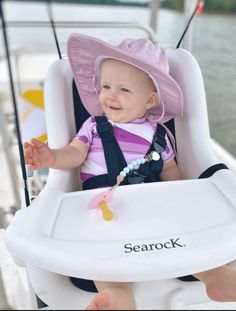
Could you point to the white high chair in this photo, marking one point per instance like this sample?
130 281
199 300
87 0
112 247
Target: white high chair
51 237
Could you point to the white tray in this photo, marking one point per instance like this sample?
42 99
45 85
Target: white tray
159 230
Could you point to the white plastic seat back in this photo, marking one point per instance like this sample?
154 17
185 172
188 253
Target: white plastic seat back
60 120
192 130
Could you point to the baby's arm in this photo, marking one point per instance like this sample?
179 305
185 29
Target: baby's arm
39 155
170 171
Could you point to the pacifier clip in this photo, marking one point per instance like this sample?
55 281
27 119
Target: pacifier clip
101 199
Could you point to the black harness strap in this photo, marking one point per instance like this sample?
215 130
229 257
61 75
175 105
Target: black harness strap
151 170
114 157
212 169
96 182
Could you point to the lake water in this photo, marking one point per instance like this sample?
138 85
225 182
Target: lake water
213 45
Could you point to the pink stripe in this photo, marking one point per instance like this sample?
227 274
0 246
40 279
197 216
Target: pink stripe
131 143
125 146
129 147
85 176
83 138
167 158
124 136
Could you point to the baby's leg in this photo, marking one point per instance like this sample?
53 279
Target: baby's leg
220 283
113 296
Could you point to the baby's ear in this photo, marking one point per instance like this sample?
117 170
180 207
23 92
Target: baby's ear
153 99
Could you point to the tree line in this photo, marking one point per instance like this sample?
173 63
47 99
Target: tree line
221 6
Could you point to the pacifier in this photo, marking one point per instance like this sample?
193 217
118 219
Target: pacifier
100 201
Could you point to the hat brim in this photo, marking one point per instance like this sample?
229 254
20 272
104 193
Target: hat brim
83 51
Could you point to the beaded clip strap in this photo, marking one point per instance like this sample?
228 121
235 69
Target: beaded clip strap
147 158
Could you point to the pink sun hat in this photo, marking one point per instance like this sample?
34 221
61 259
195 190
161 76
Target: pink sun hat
85 53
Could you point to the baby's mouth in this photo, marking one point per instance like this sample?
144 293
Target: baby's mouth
114 108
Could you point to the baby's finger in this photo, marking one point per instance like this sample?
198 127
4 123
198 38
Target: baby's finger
26 144
28 160
32 167
37 143
28 150
36 158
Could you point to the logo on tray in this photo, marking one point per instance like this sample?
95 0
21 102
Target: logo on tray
156 246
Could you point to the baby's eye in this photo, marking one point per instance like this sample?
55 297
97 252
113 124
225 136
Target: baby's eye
124 89
106 86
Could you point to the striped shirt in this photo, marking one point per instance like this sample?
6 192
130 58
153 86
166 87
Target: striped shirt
134 138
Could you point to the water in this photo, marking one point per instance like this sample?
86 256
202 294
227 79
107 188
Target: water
213 45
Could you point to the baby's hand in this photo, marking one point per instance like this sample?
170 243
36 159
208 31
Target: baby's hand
38 155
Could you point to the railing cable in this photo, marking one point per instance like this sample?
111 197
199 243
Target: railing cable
188 24
18 134
50 14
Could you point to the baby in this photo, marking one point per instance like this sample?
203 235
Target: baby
130 87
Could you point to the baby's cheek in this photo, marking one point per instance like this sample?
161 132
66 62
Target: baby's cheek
100 97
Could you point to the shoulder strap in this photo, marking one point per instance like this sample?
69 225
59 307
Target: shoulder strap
113 155
152 169
159 141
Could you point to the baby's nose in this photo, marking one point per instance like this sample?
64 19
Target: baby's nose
112 95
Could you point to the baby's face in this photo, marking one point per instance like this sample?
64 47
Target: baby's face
126 91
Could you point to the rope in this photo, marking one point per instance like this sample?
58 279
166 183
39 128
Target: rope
21 153
188 24
49 9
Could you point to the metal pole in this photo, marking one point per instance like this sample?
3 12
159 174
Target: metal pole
154 9
20 146
65 24
11 162
16 58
